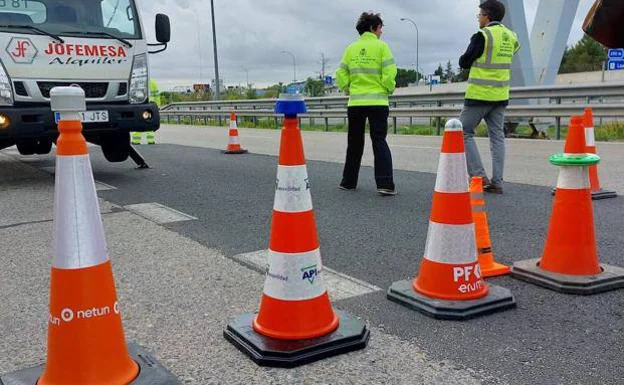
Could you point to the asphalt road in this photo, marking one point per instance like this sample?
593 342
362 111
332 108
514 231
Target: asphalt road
550 338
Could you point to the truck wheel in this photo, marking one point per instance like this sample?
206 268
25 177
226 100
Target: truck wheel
27 147
116 148
6 143
44 146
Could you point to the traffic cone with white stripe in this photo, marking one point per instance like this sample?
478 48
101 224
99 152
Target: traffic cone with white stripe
489 267
296 323
569 263
597 192
449 284
234 146
86 344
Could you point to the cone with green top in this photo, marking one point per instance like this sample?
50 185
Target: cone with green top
569 263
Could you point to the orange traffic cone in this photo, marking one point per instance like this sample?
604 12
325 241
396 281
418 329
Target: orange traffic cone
449 284
489 267
569 263
234 146
597 191
86 344
296 323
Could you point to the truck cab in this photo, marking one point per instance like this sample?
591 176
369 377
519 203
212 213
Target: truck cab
97 45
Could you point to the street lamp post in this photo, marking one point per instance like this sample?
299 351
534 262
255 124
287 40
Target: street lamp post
247 72
216 59
417 67
199 51
294 65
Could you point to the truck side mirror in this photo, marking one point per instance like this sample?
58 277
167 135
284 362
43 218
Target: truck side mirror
163 28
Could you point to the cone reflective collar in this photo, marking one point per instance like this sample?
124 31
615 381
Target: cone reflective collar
86 344
296 323
450 283
569 262
233 146
597 191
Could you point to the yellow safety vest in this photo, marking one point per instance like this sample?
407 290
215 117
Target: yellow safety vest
154 93
367 72
490 74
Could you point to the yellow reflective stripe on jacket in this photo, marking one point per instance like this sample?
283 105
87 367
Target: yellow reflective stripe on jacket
490 74
370 71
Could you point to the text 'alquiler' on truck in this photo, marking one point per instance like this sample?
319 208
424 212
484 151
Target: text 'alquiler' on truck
97 45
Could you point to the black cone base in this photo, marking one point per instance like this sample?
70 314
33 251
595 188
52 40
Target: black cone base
603 194
498 299
598 195
150 372
234 152
611 278
351 335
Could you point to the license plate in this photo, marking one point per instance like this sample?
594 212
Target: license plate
88 116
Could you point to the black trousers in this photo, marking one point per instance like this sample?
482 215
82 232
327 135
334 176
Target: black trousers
378 119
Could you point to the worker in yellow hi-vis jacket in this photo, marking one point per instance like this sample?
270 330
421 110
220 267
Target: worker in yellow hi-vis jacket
367 74
154 98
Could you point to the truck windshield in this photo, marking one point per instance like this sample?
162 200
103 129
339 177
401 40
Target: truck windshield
72 17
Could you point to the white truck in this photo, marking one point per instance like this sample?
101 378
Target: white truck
97 45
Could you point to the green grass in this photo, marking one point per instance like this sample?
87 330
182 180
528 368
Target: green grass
613 131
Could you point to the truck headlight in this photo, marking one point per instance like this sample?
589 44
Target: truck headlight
138 80
6 91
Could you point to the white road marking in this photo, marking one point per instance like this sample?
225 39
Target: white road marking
101 186
158 213
340 286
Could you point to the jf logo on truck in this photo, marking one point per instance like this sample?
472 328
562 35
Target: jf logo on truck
96 45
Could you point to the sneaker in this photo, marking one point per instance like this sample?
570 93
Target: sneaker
386 191
346 188
493 188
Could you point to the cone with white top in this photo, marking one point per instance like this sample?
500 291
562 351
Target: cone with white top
449 284
233 146
86 344
597 191
296 323
569 262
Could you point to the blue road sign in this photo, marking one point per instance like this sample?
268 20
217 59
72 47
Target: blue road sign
329 80
617 53
615 65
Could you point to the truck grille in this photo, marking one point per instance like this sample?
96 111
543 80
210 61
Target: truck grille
20 89
92 90
123 89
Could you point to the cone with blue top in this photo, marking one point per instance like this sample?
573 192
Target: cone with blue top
296 323
86 344
569 262
450 284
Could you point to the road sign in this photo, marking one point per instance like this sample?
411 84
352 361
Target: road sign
329 80
617 53
615 65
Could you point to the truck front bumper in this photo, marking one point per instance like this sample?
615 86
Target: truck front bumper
32 122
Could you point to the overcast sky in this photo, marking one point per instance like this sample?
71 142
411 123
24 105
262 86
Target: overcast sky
252 34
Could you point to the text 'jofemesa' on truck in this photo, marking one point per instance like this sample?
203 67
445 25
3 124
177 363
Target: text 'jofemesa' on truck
97 45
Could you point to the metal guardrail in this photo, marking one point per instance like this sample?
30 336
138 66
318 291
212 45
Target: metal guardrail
552 102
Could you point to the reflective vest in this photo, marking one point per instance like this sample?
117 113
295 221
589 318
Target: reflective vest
367 72
490 74
154 93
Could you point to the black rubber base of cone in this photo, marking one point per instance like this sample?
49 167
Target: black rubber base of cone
611 278
597 195
352 334
498 299
603 194
150 372
234 152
